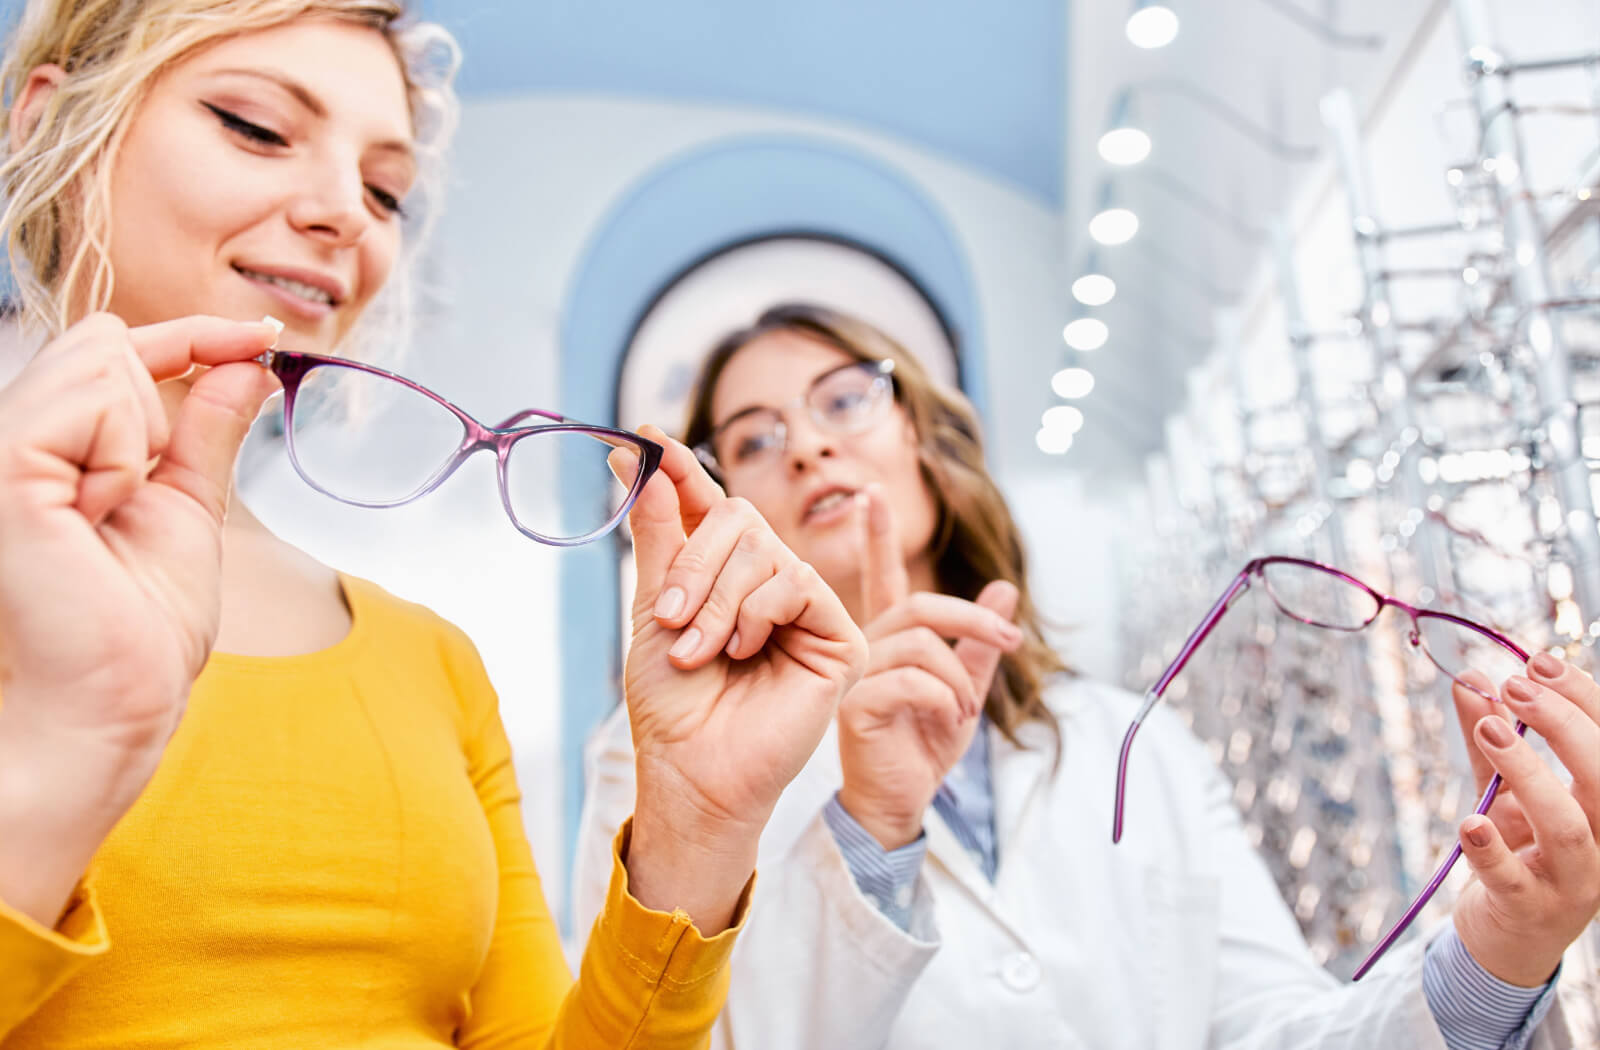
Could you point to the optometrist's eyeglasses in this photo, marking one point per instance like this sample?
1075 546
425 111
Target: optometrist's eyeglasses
845 400
370 438
1322 596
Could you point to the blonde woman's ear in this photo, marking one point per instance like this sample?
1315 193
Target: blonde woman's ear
33 100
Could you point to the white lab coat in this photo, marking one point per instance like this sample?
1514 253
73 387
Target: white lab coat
1176 939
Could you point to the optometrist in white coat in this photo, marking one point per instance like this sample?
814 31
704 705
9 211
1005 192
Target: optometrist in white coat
992 909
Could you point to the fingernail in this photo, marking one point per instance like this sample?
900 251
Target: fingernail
1478 835
1521 690
624 464
277 327
1496 732
686 644
1545 665
670 603
1010 631
733 644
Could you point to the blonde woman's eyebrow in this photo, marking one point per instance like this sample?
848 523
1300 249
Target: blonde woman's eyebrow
296 90
307 98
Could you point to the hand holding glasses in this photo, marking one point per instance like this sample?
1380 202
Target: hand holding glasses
1321 596
408 440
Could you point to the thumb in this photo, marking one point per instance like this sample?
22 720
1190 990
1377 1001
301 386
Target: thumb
212 423
1501 871
981 659
657 526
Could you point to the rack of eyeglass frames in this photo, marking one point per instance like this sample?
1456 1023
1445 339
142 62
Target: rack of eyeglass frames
1465 479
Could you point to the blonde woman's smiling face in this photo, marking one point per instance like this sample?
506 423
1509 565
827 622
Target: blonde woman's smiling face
265 175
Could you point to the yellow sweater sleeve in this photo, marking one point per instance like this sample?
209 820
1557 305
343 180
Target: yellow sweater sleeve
34 961
647 978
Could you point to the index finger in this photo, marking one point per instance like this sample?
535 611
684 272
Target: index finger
170 348
1470 709
697 492
883 573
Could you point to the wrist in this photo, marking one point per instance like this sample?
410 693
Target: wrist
670 869
686 853
1515 960
892 826
57 806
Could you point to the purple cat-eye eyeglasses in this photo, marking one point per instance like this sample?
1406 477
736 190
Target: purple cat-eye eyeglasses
417 439
1322 596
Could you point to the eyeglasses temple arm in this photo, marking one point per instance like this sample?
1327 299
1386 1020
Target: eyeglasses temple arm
1434 883
554 417
1240 584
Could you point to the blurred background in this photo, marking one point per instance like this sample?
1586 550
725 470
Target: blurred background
1224 278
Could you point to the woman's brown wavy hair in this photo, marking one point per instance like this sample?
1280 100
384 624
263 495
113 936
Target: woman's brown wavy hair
975 539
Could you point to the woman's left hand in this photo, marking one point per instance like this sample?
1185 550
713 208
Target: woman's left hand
1537 853
739 655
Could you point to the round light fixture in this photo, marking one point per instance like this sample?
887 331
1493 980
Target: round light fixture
1094 289
1063 417
1124 146
1086 333
1053 442
1114 226
1072 383
1152 26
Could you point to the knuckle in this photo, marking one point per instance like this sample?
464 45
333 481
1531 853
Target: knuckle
103 322
690 564
719 607
802 576
910 683
1572 837
740 509
751 542
1570 721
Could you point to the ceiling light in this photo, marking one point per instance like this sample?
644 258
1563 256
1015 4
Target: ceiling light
1053 442
1152 25
1114 226
1063 417
1124 146
1086 333
1072 383
1094 289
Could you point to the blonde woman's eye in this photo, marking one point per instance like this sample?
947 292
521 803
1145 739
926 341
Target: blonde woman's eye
386 200
239 126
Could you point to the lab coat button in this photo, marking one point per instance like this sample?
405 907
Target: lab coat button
1020 972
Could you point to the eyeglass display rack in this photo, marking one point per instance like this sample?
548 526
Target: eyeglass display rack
1478 442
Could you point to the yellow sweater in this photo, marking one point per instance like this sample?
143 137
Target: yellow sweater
331 855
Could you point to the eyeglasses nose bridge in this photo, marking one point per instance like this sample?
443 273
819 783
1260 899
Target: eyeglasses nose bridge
820 436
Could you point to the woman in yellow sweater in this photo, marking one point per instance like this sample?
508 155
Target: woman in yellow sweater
246 801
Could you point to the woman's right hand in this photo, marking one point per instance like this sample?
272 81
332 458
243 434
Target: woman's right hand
912 716
111 543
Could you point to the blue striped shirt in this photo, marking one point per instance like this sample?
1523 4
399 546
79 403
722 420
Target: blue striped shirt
1474 1009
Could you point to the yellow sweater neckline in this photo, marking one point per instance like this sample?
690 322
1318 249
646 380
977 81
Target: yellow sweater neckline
339 653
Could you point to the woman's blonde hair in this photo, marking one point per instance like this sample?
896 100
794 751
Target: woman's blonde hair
975 539
57 180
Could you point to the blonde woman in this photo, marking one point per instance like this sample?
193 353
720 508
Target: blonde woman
247 801
940 874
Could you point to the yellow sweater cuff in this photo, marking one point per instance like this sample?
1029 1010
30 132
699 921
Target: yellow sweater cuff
663 948
35 961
